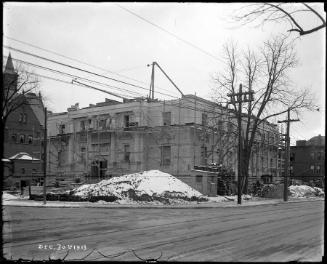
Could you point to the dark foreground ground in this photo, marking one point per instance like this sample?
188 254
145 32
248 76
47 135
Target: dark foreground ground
275 232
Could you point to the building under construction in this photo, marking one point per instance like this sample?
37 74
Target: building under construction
181 137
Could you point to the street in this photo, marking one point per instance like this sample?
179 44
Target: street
280 232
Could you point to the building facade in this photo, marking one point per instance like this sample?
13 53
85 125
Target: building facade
307 160
113 138
23 132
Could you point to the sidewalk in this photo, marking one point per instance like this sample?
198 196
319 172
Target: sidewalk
101 204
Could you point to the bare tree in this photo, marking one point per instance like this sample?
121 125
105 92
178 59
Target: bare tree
15 88
266 73
292 13
16 84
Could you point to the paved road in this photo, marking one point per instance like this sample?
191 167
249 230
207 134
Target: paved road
282 232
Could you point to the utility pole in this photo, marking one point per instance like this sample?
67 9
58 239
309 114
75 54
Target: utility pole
287 151
45 158
238 98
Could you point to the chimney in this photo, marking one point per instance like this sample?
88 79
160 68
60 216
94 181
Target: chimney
73 107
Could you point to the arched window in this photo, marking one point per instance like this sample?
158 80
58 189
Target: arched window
25 118
22 139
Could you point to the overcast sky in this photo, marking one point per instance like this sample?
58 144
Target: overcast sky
107 36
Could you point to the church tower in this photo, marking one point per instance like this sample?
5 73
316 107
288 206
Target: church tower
10 76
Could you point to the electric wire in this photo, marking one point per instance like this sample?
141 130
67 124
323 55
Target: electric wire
76 76
170 33
79 61
70 75
70 66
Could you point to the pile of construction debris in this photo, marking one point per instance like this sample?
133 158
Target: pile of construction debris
147 186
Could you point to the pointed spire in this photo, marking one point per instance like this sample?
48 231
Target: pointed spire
9 66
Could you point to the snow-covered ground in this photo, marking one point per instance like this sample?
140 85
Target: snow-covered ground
158 188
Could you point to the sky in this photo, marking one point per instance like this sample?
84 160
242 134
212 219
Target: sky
119 40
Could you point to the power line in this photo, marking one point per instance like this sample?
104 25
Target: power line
70 66
80 69
73 59
76 76
77 84
186 107
171 34
64 56
71 75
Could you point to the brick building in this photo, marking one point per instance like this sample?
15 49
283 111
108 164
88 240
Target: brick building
23 132
308 159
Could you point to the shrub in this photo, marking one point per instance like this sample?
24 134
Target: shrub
94 199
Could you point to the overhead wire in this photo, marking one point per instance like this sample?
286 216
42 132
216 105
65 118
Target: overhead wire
47 68
69 75
79 61
72 67
170 33
63 64
72 76
73 59
191 108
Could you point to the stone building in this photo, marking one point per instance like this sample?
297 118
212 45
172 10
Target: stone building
114 138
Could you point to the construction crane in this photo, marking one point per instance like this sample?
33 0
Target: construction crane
151 94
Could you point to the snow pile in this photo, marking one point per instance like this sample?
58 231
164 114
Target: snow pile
305 191
8 196
142 186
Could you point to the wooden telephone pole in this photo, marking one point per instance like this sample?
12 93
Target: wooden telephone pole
45 158
287 152
239 98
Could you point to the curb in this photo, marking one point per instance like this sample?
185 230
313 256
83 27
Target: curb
199 206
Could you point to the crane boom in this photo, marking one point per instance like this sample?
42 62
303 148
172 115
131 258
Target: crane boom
152 79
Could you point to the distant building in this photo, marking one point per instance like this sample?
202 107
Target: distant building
22 133
308 159
179 137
